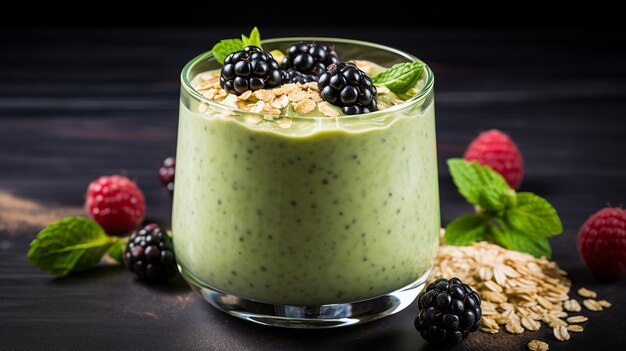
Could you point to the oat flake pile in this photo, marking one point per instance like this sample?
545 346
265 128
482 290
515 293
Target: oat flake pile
519 291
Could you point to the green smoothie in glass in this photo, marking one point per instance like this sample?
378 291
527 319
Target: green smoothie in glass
293 207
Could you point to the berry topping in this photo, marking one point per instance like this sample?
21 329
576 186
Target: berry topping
150 254
249 69
290 75
495 149
602 243
343 84
448 311
310 59
116 203
166 173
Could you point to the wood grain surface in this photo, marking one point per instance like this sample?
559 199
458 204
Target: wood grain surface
77 104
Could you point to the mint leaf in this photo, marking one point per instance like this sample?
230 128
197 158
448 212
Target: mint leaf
466 230
225 47
481 185
116 251
513 239
533 215
400 77
254 39
71 244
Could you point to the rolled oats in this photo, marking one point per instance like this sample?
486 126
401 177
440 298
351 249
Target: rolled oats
537 345
304 106
305 99
264 95
571 306
328 110
518 291
514 327
560 333
576 319
280 102
587 293
530 323
575 328
592 305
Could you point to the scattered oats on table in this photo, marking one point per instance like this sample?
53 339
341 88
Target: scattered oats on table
576 319
575 328
561 333
518 291
571 306
587 293
592 305
537 345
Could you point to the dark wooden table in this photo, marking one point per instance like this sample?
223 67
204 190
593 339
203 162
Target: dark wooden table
76 104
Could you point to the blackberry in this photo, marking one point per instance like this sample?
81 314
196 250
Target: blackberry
343 84
150 254
310 59
290 75
166 174
249 69
449 311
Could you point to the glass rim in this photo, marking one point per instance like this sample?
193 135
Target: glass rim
416 99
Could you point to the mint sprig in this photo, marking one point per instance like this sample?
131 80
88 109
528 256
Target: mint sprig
70 244
226 46
254 38
518 221
116 251
400 77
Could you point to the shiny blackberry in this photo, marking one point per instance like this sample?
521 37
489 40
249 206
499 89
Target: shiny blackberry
166 174
345 85
290 75
310 59
249 69
149 254
448 311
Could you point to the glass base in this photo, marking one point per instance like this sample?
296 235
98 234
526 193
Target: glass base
311 317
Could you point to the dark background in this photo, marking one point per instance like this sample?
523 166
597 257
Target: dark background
97 93
529 14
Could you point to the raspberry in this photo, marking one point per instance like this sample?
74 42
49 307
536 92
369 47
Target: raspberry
497 150
249 69
116 203
166 174
343 84
448 311
150 254
602 243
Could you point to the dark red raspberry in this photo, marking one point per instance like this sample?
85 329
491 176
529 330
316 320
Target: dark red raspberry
602 243
495 149
116 203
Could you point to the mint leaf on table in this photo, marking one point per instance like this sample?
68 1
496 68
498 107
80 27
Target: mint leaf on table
400 77
254 38
227 46
116 251
514 239
518 221
70 244
481 185
466 230
533 214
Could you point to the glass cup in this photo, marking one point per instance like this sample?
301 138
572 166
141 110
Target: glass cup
306 222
